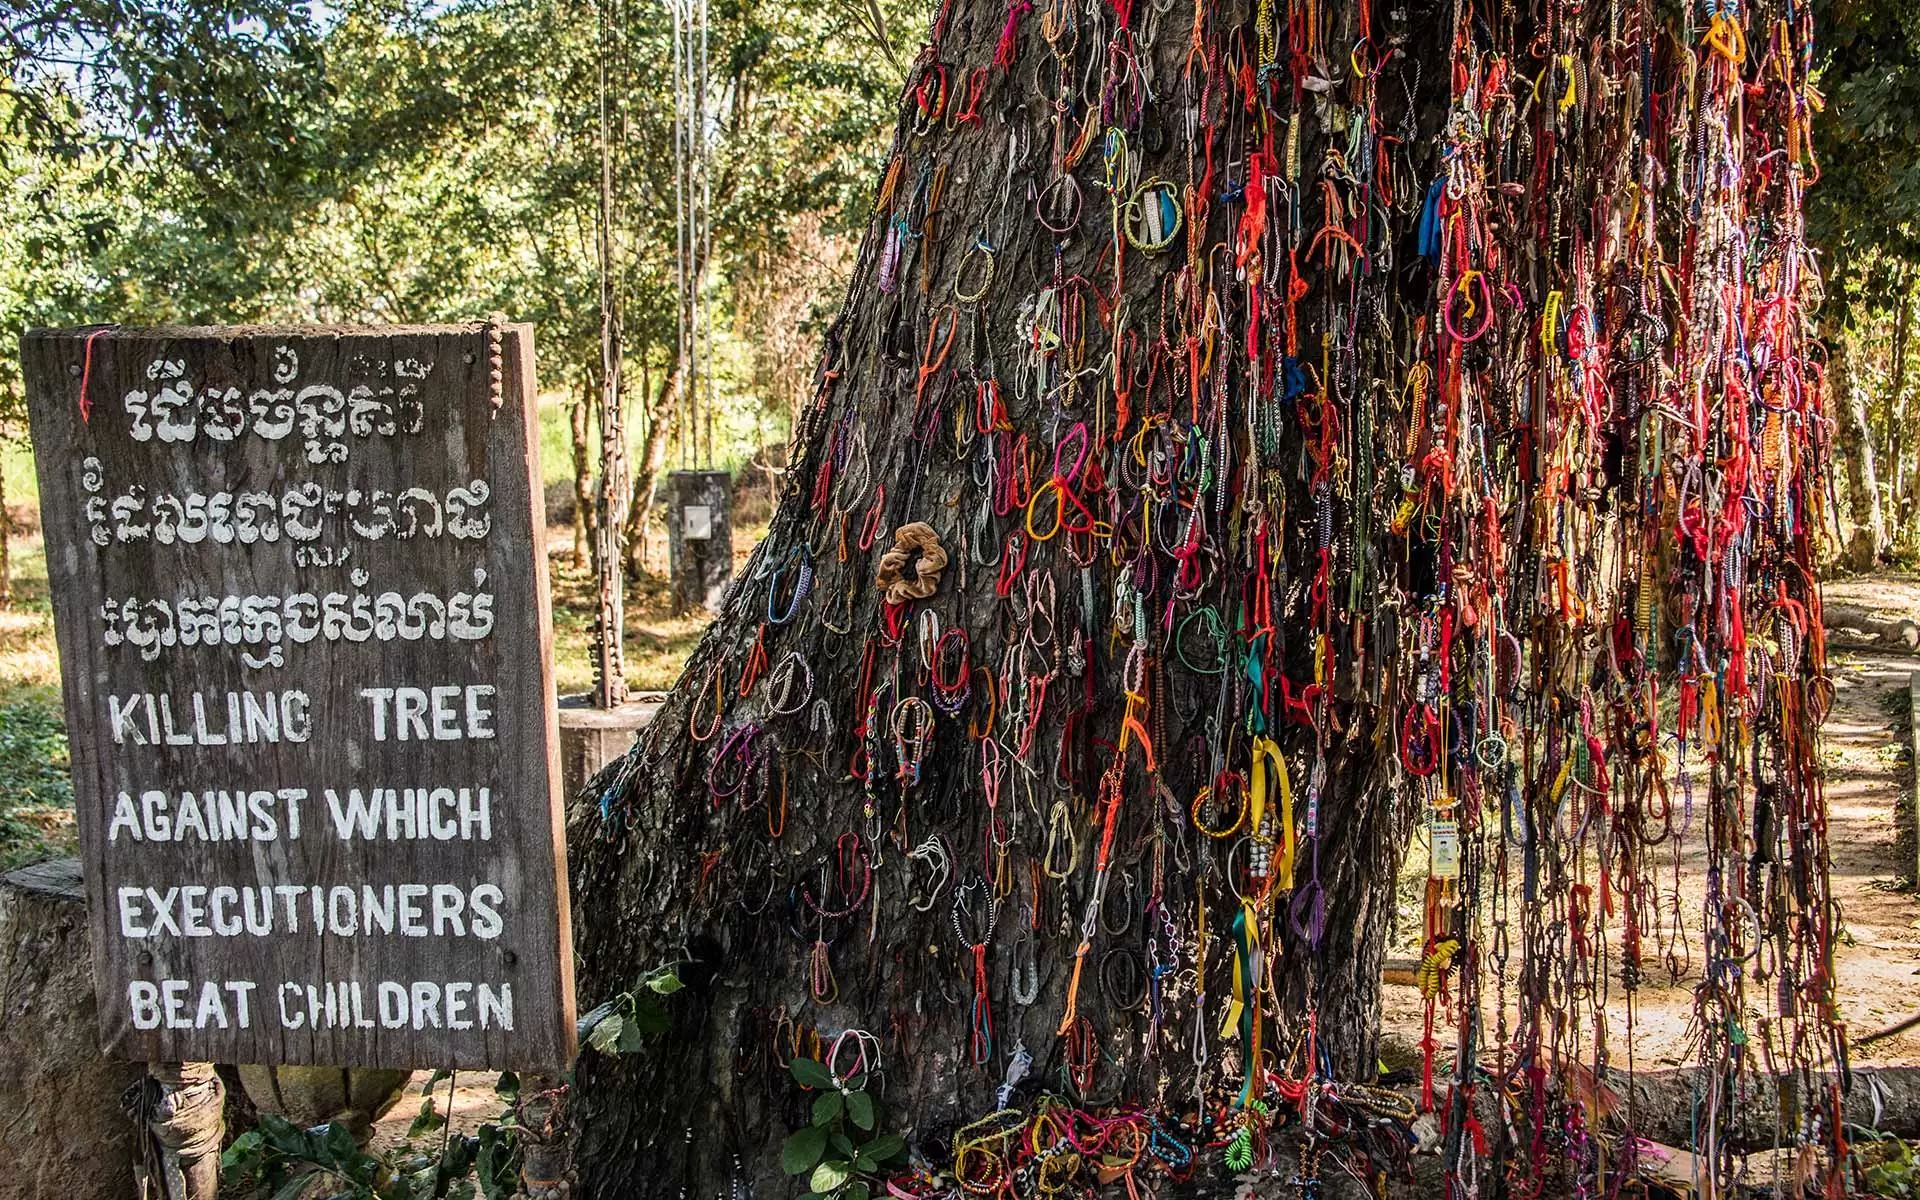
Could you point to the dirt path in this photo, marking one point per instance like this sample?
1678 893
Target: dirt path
1870 819
1868 782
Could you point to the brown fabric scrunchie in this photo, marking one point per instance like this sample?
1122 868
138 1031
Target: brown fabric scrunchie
892 577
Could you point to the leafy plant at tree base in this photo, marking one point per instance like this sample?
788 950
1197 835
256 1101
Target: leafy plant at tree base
839 1152
281 1161
1884 1165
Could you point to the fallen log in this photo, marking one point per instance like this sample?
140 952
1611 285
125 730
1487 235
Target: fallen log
1850 624
1666 1105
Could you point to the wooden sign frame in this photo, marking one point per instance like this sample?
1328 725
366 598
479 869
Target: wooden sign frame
300 591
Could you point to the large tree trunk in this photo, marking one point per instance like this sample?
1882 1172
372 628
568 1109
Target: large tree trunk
578 443
682 875
1898 468
653 459
1855 445
1255 554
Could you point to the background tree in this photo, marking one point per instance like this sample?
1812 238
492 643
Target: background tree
413 162
1865 217
87 91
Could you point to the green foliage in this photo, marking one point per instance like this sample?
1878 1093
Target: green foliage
215 86
1864 213
836 1152
400 161
622 1025
281 1161
34 778
1884 1165
58 224
33 756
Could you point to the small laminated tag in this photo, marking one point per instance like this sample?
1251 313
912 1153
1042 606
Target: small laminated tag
1445 853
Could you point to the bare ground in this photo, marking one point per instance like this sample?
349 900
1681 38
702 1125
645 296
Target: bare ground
1869 788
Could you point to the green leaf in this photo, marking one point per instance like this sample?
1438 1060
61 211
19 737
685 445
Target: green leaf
283 1135
665 981
855 1190
860 1108
606 1033
632 1038
496 1164
885 1148
293 1188
810 1073
827 1107
841 1143
340 1147
507 1087
802 1150
246 1146
829 1175
591 1019
650 1017
427 1121
456 1159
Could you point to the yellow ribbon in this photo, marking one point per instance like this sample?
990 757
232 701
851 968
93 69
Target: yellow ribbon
1267 759
1243 982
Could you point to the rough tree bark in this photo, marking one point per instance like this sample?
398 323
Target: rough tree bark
665 871
653 458
577 414
1898 470
1854 443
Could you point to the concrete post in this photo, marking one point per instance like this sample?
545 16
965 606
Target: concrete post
699 538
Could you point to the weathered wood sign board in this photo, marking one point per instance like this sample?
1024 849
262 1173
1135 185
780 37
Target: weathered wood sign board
301 598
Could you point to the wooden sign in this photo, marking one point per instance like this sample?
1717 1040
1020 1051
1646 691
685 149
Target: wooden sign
301 597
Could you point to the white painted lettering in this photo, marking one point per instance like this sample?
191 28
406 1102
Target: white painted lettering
124 815
380 698
173 997
446 716
496 1007
426 1004
479 714
410 713
120 712
143 1002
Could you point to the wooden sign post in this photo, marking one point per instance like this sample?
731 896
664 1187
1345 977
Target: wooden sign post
301 599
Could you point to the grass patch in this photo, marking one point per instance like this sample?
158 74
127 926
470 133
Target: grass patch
36 789
36 786
657 643
16 465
